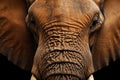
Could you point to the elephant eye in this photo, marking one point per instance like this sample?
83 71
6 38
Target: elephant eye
32 20
95 20
96 23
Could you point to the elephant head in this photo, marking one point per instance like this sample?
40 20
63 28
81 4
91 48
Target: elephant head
72 40
62 30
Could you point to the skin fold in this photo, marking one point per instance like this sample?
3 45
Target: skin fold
60 39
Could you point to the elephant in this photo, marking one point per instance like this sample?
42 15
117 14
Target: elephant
51 23
60 39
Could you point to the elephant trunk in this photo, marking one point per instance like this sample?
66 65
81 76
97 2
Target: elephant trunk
62 55
90 78
62 64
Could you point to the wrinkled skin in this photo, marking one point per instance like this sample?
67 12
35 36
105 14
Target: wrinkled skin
66 31
61 29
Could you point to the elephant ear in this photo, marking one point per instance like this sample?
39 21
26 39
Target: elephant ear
16 42
106 48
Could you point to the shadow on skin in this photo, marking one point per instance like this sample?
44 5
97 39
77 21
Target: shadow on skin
8 71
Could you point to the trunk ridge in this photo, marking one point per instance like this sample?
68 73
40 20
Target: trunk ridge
63 62
62 54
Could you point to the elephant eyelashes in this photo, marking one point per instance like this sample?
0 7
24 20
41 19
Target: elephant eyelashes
95 20
95 23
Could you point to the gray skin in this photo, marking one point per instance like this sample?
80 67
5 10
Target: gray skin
62 31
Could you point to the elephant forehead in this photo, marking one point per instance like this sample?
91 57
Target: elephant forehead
46 10
86 4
